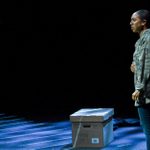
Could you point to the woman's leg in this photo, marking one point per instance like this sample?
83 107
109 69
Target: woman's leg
144 114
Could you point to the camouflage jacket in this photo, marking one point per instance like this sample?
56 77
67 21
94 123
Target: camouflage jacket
141 59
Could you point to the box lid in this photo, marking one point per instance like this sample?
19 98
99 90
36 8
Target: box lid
92 115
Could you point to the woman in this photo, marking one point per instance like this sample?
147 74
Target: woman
140 23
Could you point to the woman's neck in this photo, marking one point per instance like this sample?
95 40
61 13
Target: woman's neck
142 31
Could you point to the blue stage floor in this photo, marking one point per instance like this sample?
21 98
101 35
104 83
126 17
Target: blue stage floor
20 133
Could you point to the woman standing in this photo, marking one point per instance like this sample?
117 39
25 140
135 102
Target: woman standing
140 23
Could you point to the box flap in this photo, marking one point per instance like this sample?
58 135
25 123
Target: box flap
92 115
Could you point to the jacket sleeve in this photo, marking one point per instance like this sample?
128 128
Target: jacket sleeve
143 70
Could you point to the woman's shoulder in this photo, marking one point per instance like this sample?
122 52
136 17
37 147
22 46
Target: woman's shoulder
146 36
146 33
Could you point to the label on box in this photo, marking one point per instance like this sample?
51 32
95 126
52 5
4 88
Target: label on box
95 141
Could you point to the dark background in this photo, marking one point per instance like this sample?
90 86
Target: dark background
60 57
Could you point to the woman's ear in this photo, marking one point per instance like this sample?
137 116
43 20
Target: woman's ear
144 22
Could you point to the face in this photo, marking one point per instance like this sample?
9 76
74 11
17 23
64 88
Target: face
137 25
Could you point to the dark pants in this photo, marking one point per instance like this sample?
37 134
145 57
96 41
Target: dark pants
144 114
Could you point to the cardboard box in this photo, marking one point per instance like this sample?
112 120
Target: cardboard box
92 128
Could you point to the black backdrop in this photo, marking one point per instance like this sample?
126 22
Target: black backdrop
60 57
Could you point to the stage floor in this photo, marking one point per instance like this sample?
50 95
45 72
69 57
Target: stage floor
23 133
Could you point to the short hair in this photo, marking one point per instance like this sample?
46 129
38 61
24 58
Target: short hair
144 15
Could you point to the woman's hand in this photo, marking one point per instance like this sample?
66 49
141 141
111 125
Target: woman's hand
132 67
135 95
